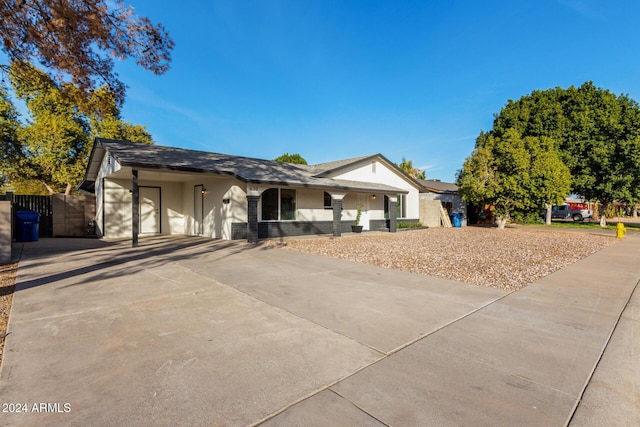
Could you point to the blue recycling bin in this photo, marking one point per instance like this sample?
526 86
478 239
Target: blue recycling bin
456 219
28 225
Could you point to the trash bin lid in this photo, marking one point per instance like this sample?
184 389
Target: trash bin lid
28 215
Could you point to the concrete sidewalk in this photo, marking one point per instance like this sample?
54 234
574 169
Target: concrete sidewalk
199 332
612 397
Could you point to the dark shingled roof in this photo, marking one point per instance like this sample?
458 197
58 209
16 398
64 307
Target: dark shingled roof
322 168
246 169
436 186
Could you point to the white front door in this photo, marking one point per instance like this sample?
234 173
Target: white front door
363 200
149 210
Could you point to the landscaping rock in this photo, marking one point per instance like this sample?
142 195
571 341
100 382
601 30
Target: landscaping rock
505 259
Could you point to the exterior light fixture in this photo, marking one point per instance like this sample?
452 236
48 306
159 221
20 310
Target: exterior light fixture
373 197
204 190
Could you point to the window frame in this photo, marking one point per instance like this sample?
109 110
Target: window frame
401 208
280 204
330 205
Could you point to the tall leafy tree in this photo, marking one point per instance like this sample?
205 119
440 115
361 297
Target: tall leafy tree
52 147
550 177
513 173
407 166
78 40
9 131
106 122
597 134
54 142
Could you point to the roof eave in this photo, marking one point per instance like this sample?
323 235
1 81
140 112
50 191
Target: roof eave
358 189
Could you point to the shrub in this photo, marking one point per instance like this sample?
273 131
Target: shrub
409 225
526 218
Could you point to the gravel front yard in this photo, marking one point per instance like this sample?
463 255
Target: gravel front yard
8 274
506 259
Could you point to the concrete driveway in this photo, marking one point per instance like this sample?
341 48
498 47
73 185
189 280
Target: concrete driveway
189 331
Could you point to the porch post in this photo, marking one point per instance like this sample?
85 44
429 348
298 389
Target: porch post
252 218
135 209
393 213
336 204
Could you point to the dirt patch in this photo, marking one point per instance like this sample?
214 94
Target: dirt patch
506 259
8 273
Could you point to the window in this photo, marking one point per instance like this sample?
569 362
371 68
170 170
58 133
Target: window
402 206
287 204
386 207
328 203
270 205
278 204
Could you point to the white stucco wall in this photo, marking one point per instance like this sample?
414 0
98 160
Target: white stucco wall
382 174
115 204
218 216
310 204
117 207
108 166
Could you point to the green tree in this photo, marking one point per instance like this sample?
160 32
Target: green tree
407 166
9 130
550 177
106 122
54 141
78 40
52 148
597 135
291 158
513 173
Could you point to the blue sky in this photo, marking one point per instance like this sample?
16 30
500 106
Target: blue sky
338 79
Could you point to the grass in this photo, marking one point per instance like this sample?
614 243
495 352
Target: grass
594 225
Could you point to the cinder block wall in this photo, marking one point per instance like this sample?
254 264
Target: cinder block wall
72 214
430 212
5 232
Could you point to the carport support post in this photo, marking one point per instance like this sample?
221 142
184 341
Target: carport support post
135 210
393 213
252 218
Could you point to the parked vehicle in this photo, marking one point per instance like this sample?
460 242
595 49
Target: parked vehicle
575 211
